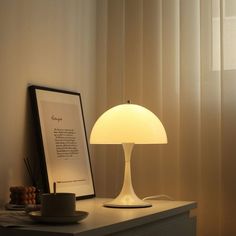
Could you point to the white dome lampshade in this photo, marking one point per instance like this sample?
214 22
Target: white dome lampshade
128 124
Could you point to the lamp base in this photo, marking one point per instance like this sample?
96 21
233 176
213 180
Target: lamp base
127 202
127 197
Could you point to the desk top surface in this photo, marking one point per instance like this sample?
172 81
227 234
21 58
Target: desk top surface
103 219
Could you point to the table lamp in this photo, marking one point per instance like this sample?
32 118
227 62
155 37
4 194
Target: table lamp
128 124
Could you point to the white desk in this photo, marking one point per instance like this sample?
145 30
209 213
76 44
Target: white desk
164 218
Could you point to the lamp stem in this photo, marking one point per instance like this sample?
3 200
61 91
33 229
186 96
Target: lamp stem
127 183
127 197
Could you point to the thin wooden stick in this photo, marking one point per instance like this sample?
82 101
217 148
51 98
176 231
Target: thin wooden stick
30 172
54 187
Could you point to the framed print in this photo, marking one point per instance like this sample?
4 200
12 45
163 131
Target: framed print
62 139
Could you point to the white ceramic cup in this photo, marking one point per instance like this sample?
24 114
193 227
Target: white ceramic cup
58 204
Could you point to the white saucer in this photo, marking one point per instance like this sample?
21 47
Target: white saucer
79 215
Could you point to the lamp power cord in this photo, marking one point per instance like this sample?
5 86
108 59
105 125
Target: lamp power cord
160 197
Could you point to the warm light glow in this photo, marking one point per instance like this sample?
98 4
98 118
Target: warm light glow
128 123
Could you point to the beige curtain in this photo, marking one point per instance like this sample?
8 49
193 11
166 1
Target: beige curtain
177 58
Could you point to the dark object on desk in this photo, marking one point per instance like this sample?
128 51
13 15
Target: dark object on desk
78 216
58 204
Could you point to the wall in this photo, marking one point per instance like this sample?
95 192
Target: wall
42 42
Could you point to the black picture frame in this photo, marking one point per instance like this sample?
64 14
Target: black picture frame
63 146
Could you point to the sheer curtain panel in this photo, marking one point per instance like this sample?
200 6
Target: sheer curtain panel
177 58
